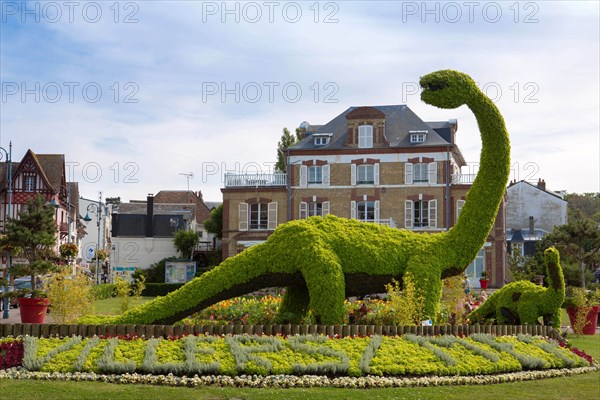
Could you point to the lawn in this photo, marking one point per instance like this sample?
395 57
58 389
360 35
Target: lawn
579 387
112 305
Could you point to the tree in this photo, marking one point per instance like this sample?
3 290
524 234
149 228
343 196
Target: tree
579 239
32 236
582 206
287 140
186 242
113 200
214 223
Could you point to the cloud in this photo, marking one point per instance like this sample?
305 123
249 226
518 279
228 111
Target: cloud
183 91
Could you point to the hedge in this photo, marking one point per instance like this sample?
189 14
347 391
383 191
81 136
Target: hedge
321 261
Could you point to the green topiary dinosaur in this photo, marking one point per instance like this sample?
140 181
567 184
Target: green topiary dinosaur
523 302
321 261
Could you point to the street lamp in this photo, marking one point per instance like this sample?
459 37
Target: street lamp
8 159
97 208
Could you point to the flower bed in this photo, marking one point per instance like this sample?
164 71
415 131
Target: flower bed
299 355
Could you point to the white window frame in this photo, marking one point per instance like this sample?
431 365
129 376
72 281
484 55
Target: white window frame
243 216
475 268
272 215
310 209
366 170
418 137
321 140
408 173
408 214
420 173
326 174
266 214
420 210
365 209
432 172
315 175
303 175
365 136
29 183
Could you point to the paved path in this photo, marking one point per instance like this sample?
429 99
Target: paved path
15 317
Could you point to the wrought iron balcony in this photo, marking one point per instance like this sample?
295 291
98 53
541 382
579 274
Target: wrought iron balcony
253 180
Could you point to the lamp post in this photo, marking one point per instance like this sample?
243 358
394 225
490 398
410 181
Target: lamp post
8 159
87 218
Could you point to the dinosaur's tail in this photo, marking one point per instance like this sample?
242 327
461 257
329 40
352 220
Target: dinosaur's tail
484 311
250 270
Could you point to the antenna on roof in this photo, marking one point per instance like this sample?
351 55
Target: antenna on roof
187 176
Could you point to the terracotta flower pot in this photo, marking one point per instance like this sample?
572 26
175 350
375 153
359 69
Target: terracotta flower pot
483 283
33 311
591 319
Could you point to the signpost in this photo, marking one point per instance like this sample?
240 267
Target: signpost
179 271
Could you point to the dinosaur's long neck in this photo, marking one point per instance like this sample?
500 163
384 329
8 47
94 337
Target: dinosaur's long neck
485 196
555 277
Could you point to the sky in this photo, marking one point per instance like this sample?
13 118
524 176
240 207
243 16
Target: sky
136 94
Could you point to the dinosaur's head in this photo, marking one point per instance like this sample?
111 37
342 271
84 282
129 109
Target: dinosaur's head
447 88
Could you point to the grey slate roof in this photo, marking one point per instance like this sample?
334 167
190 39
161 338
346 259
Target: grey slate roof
399 121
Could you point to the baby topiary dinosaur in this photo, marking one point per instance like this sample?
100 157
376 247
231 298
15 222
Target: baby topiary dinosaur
523 302
321 261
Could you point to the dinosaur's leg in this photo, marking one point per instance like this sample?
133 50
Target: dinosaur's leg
428 284
325 282
528 315
294 304
553 319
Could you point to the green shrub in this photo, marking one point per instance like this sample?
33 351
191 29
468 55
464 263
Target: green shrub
160 289
103 291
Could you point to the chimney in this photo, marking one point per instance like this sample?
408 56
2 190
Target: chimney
531 225
150 215
541 184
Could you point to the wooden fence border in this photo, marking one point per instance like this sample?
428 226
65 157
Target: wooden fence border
47 330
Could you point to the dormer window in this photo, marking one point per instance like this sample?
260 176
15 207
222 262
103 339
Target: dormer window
29 183
365 136
418 136
322 139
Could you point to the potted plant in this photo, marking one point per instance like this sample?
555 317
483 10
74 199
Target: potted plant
68 250
483 281
583 308
32 237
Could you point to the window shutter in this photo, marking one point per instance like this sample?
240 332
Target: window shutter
303 213
272 216
377 213
303 175
353 174
326 170
408 173
325 208
408 214
432 209
432 172
459 206
353 209
243 216
376 174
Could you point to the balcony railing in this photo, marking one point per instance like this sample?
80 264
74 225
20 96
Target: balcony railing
251 180
463 179
386 221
